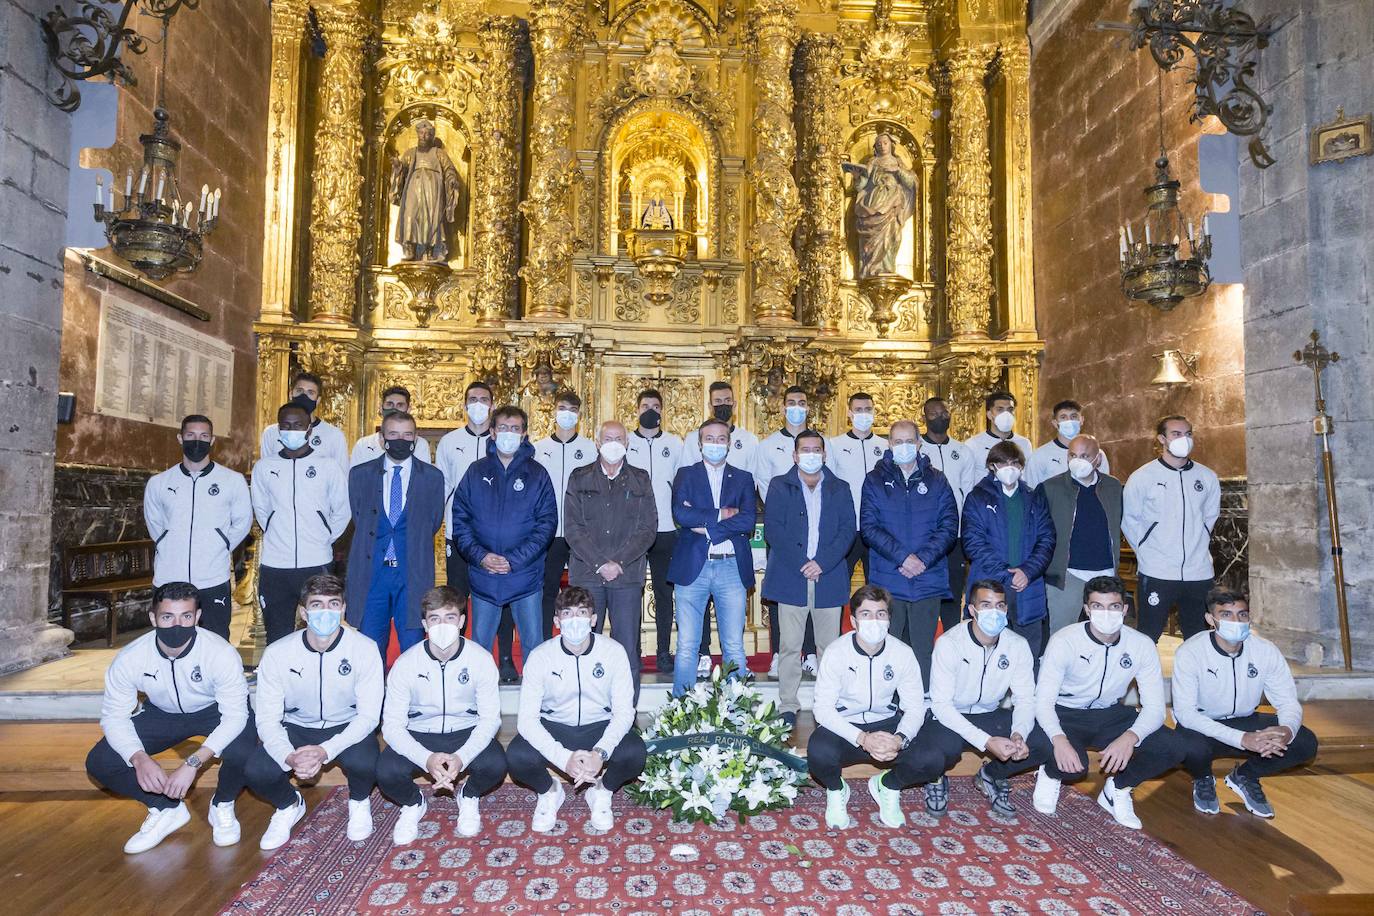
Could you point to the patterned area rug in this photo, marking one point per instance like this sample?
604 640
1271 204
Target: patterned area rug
785 862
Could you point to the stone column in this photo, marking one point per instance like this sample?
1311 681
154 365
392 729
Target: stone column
34 142
772 39
1014 73
822 217
556 31
288 28
496 199
337 177
969 251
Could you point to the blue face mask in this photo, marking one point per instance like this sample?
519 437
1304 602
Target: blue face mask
1070 428
714 452
796 414
904 452
323 621
1233 630
292 439
508 442
810 462
992 621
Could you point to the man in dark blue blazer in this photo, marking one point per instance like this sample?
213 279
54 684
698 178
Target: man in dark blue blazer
397 505
808 522
714 506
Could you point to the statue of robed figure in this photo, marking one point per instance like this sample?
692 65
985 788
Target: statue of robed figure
884 199
656 215
426 186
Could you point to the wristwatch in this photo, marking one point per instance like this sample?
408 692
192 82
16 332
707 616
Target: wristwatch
604 756
905 740
194 761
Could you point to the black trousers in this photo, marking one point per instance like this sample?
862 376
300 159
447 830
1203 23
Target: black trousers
273 784
952 609
1096 728
555 561
624 605
279 590
456 573
528 767
1034 633
1155 598
216 607
951 744
660 555
858 553
158 731
1200 750
827 754
913 622
396 774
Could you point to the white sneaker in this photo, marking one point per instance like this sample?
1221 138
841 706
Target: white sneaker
773 666
837 807
704 666
1119 804
279 827
224 826
1046 796
546 810
469 816
810 665
599 804
157 826
359 819
408 824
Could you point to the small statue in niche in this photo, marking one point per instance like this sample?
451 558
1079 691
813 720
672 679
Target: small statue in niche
884 199
426 186
656 215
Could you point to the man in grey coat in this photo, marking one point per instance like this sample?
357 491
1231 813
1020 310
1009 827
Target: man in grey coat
610 519
1085 505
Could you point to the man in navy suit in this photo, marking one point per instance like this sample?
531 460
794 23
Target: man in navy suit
714 505
397 505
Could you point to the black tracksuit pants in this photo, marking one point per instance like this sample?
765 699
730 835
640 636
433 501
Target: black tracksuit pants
358 763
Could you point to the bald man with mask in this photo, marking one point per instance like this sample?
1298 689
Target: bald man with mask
1085 506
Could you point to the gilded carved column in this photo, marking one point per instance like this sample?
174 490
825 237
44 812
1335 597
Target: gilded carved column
336 199
970 235
772 39
822 219
1016 153
556 30
288 30
496 198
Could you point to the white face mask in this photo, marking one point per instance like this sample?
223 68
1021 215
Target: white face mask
566 419
873 631
1070 428
1004 421
904 452
612 451
863 421
508 442
575 629
1080 468
443 635
1008 474
478 412
1107 622
292 439
796 414
1181 447
810 462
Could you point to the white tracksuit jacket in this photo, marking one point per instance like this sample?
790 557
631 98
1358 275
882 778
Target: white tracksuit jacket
968 678
658 456
426 695
569 689
1168 515
851 458
854 688
1079 672
1209 684
302 508
196 521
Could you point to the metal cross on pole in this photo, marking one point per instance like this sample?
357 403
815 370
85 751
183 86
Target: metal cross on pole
1316 357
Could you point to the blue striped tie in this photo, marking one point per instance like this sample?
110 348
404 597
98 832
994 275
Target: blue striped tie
393 513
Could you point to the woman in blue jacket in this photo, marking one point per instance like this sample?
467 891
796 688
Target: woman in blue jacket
1009 537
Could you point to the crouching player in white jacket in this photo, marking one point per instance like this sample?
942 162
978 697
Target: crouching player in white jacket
577 715
441 716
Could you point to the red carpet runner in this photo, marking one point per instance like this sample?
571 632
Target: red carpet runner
786 863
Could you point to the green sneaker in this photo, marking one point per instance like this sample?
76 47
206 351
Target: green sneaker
837 807
889 802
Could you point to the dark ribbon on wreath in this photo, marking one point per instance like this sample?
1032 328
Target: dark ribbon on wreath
739 742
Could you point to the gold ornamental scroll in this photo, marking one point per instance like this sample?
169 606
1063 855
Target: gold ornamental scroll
969 251
556 30
777 204
1014 76
823 219
497 197
288 32
337 178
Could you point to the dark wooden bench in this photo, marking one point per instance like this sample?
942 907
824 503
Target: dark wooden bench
105 571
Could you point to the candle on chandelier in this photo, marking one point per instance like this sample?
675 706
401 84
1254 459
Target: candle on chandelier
204 192
1130 236
1190 230
186 220
128 186
161 181
99 190
1206 224
1147 235
1123 242
142 181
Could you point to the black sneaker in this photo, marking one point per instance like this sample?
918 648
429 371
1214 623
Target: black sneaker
996 791
1205 795
1248 788
665 664
790 719
508 673
937 797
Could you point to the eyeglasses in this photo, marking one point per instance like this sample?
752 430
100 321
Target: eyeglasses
1116 608
991 606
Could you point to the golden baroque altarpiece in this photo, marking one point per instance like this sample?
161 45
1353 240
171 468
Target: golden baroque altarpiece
650 192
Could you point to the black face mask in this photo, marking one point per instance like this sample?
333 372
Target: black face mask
400 449
650 418
305 402
723 412
389 412
175 637
939 425
195 449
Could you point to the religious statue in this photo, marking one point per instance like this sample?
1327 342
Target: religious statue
656 215
426 186
884 198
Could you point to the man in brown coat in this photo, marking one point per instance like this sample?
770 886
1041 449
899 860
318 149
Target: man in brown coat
610 519
1085 505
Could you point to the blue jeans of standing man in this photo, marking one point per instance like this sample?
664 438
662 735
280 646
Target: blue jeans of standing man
718 579
386 602
529 621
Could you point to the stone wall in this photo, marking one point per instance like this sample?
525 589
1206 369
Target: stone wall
1307 237
1095 132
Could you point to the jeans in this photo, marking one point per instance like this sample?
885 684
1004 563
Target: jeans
526 611
358 763
718 579
1201 749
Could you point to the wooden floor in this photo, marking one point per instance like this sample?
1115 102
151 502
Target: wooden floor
60 840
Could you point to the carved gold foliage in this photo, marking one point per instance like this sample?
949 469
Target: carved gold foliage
973 376
665 19
662 75
900 399
288 29
496 195
883 82
729 300
730 232
586 279
494 363
336 364
436 398
821 226
970 286
682 399
395 302
685 306
630 304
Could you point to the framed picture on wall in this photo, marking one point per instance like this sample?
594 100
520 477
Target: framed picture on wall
1343 138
